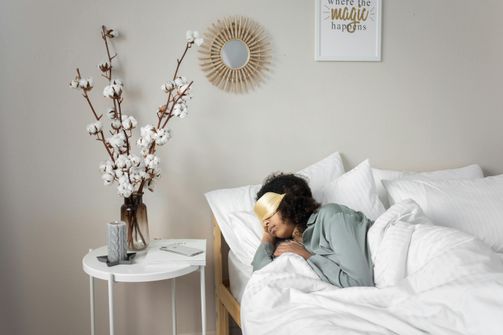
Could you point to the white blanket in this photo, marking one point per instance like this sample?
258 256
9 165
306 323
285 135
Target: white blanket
430 280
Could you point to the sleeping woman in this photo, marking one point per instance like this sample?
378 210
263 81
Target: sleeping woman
332 238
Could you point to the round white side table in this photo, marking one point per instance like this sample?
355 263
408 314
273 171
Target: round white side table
151 264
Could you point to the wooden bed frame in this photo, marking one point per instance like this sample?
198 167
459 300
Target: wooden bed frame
226 304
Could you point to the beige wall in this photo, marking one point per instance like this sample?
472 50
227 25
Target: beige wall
433 102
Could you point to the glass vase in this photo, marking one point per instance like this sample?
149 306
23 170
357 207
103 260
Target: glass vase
134 214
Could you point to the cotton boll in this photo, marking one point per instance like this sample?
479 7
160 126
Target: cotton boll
94 128
189 35
151 161
128 122
135 160
167 87
123 162
143 142
116 124
113 91
117 140
74 84
183 114
111 114
163 136
108 91
180 81
147 136
107 166
118 82
113 33
108 178
184 89
133 121
146 130
180 110
86 84
125 189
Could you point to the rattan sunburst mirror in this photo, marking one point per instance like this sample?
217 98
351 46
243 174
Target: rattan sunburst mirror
236 54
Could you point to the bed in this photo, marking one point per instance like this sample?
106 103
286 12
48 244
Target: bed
430 278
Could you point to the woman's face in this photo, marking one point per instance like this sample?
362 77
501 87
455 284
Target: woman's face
278 227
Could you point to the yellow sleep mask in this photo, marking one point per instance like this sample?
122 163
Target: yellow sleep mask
267 205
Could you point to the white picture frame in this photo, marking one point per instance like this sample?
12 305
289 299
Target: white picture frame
348 30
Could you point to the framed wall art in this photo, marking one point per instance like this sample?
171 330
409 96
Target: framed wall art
348 30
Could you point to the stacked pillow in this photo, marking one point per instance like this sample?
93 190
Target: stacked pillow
468 172
458 198
357 190
474 206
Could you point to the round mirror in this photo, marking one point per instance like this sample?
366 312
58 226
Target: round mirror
235 54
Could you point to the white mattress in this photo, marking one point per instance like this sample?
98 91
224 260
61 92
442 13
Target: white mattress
239 274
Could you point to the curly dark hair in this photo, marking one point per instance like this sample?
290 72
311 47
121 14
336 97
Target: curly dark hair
298 203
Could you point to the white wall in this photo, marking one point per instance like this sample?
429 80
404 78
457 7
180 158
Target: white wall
433 102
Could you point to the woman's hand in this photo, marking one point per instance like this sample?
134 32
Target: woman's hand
294 247
267 237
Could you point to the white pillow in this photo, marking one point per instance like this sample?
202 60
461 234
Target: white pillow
467 172
247 230
356 189
474 206
321 173
224 202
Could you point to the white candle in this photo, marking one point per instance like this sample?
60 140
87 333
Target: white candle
116 241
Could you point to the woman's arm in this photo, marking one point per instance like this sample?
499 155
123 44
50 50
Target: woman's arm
294 247
326 268
263 255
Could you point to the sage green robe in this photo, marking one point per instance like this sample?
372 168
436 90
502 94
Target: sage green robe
337 237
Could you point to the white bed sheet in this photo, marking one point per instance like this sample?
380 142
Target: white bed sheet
239 275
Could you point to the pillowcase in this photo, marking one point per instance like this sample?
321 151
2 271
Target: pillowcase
467 172
356 189
224 202
248 231
321 173
474 206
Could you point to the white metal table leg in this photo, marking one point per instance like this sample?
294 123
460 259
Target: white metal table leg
173 304
203 299
111 303
91 295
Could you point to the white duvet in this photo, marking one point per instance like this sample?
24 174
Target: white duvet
430 280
